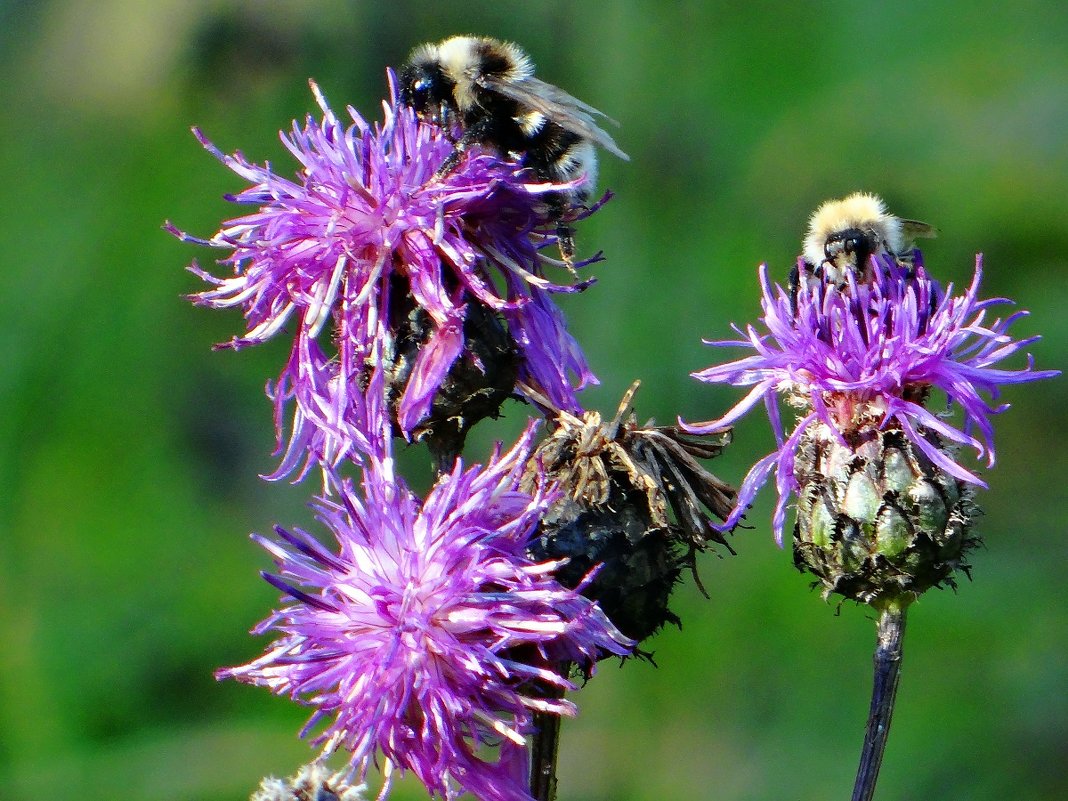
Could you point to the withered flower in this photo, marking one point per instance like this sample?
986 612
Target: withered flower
635 504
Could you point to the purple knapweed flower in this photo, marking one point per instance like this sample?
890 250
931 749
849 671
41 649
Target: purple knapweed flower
368 235
865 357
429 635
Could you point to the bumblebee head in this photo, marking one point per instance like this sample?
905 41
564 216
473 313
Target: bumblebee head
425 88
851 247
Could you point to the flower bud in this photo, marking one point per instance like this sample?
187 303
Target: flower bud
312 782
877 519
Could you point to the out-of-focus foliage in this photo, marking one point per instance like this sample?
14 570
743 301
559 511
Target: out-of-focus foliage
130 451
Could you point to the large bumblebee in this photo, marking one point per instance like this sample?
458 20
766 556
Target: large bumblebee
844 234
487 88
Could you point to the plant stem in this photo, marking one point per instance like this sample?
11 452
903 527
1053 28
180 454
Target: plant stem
544 747
546 743
887 660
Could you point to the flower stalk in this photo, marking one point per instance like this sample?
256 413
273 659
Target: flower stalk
544 750
887 663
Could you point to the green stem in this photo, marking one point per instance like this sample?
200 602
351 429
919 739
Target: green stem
887 660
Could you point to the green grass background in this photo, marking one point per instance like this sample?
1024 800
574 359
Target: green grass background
129 452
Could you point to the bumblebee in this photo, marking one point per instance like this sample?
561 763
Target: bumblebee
844 234
488 89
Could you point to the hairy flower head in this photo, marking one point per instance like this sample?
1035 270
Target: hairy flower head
429 635
368 234
869 354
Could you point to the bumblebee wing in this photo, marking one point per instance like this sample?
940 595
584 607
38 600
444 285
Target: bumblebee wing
568 112
556 95
914 229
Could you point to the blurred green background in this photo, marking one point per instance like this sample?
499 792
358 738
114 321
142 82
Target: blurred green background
130 451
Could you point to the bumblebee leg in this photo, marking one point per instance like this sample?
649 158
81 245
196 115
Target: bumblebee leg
452 161
565 234
473 135
795 286
565 239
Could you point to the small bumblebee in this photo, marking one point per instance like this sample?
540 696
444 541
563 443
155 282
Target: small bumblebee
488 88
844 234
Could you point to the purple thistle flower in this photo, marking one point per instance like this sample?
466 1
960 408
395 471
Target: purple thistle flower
367 233
430 634
869 354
